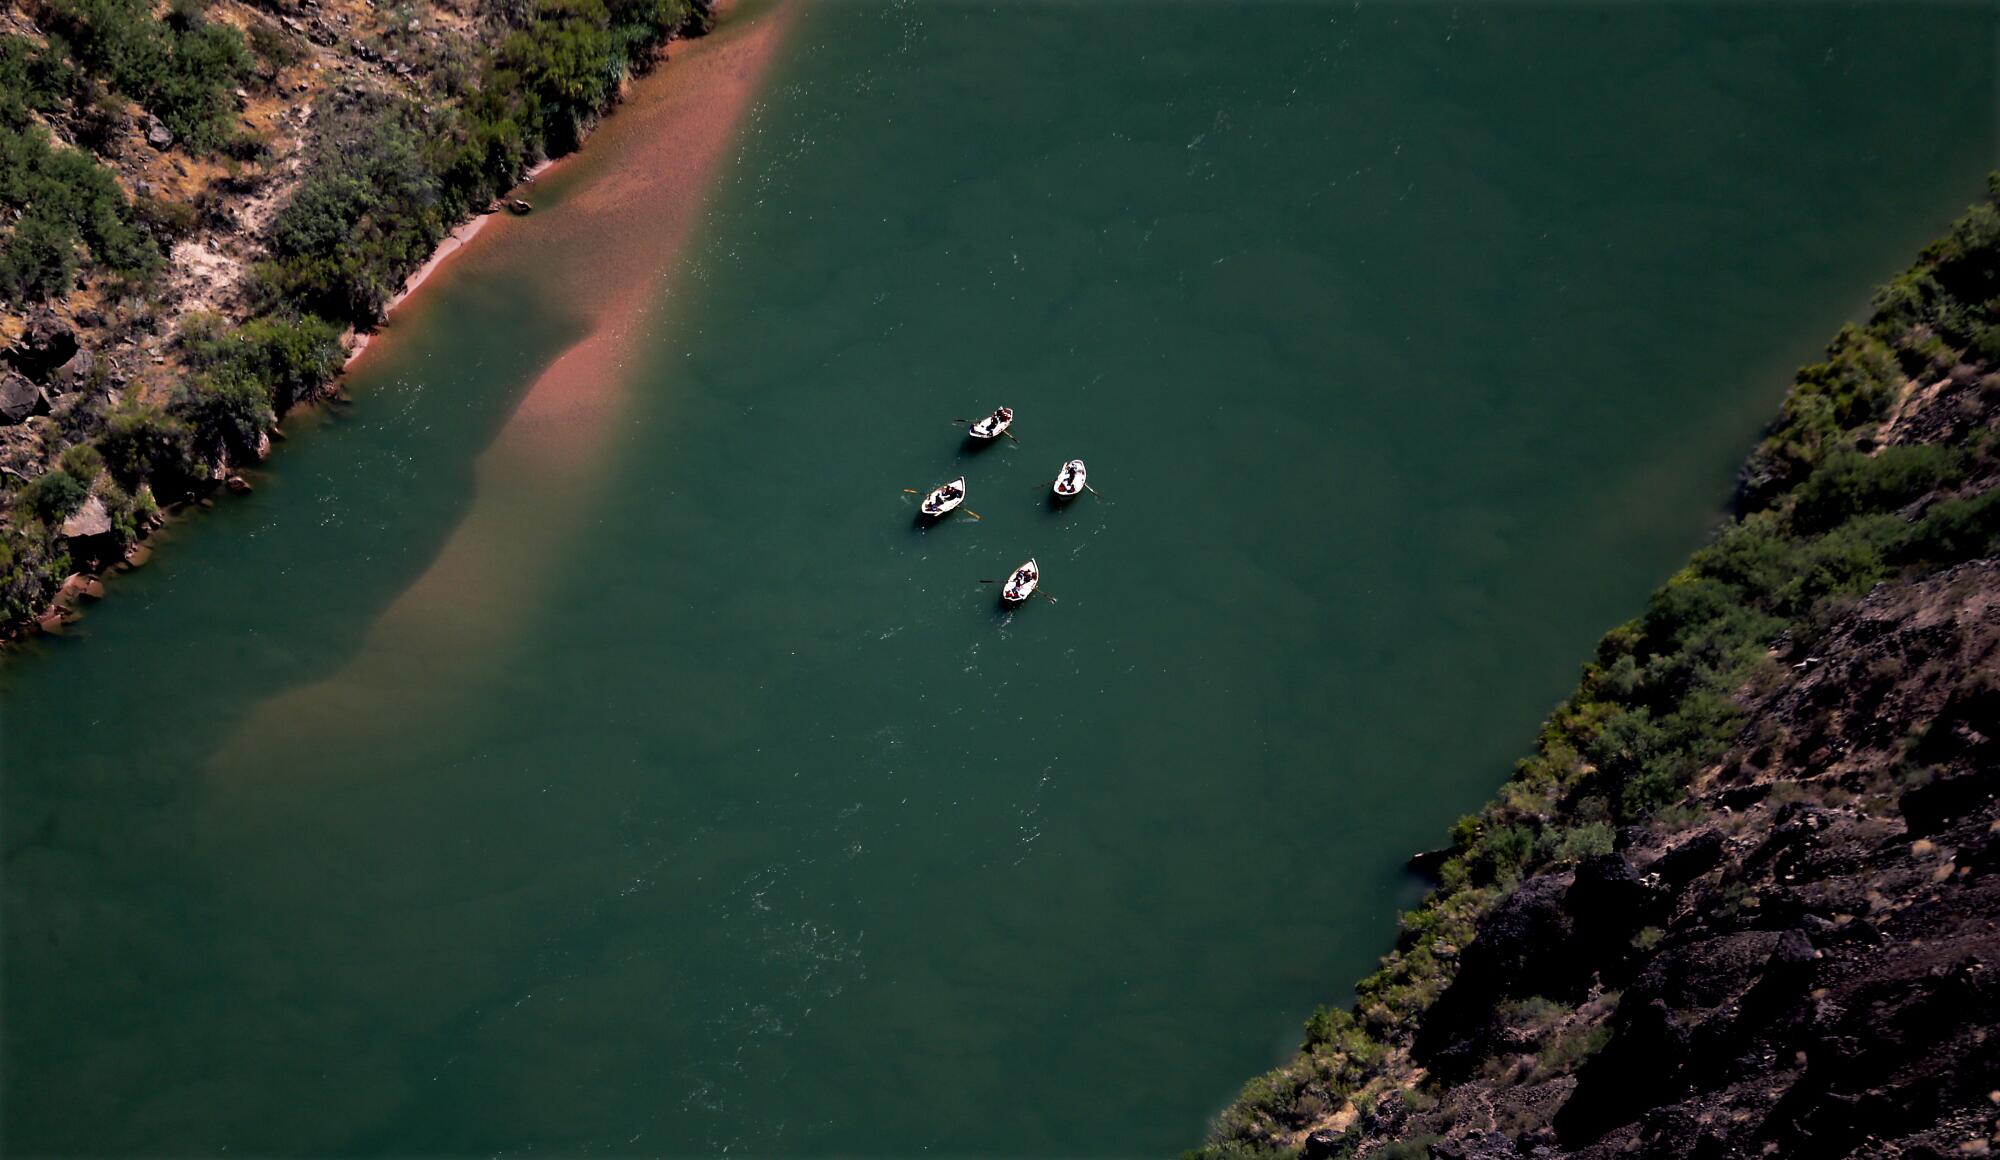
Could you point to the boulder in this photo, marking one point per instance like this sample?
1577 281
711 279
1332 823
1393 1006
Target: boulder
1526 946
92 519
1608 904
1323 1144
46 344
20 400
1639 1069
1935 805
1690 859
157 133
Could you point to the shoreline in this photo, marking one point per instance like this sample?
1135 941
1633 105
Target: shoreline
640 93
656 178
453 242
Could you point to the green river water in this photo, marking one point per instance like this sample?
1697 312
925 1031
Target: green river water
1409 346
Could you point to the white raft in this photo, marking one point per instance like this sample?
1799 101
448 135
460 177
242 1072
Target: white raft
993 426
1069 481
1021 584
944 497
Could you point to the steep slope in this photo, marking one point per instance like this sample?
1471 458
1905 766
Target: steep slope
1742 899
202 201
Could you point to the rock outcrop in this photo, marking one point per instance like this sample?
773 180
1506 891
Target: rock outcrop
1744 900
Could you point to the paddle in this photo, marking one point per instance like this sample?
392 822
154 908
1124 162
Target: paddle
1036 592
968 511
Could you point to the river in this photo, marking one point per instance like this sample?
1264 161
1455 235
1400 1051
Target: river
650 782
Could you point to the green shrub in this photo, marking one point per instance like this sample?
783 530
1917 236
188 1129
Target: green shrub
1579 842
143 443
53 496
291 358
182 69
226 415
32 563
33 78
1954 529
271 44
64 197
82 462
1850 484
1567 1052
37 259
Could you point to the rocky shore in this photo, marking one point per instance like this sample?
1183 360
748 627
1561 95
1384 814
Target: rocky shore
1744 899
147 384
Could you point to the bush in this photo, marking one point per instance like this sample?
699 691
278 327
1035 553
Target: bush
64 197
142 443
1851 484
276 48
32 78
53 496
226 416
32 563
1580 842
37 259
181 69
291 358
82 462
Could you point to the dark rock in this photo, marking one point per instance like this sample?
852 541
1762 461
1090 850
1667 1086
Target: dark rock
157 133
1323 1144
1476 1146
1429 863
46 344
1524 947
1788 975
1639 1069
1796 834
1608 904
20 400
1609 891
1690 859
1388 1117
1935 805
1743 796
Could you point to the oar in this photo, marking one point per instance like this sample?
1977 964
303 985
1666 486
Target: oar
975 515
911 491
1010 434
1092 490
1037 592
